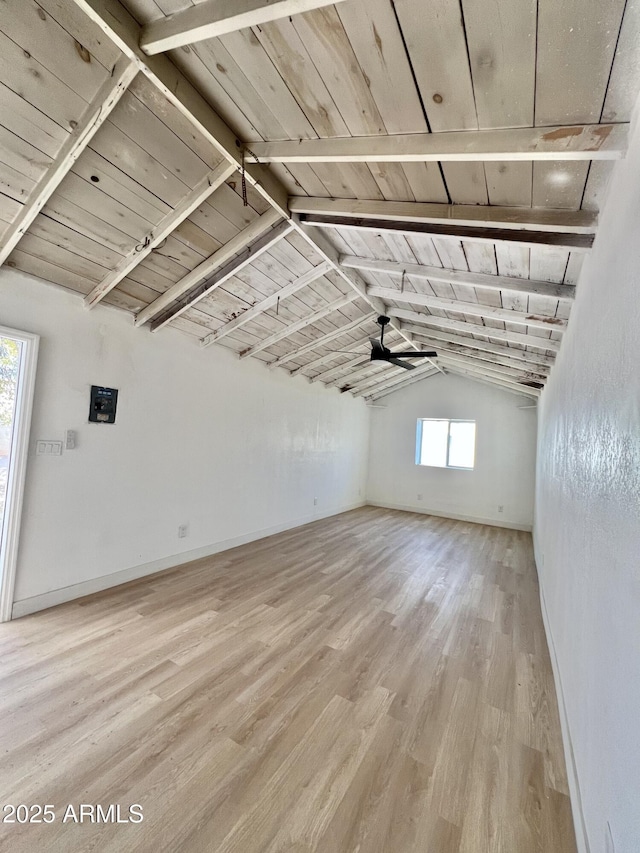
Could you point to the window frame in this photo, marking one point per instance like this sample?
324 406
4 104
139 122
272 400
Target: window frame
448 421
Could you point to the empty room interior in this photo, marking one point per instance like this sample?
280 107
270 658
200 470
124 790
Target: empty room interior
327 318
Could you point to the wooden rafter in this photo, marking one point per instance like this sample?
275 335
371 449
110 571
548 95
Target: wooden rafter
428 213
242 239
436 337
475 309
364 387
475 355
429 320
579 142
321 341
93 118
255 310
292 328
524 237
492 369
491 282
208 185
525 390
217 18
395 384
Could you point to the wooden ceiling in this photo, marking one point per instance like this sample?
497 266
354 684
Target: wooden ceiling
269 177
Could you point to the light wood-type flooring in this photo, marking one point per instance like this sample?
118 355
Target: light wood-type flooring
377 682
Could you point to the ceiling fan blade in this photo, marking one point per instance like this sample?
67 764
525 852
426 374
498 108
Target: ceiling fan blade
378 352
399 363
415 354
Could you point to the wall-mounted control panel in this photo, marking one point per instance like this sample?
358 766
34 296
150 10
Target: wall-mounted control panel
103 405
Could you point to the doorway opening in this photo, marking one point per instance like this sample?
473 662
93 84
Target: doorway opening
18 358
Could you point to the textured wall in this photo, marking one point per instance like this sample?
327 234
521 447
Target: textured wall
587 528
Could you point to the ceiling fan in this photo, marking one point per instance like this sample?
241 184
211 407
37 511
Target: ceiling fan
379 351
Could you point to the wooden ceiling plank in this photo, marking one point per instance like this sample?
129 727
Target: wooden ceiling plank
458 326
495 371
494 362
401 377
106 99
214 18
579 142
301 324
162 230
554 221
396 386
321 341
470 308
496 383
436 337
253 312
251 241
493 282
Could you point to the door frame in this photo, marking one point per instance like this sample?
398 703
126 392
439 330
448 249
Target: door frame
16 474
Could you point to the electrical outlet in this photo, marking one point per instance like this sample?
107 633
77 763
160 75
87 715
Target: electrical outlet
48 448
315 501
500 508
183 530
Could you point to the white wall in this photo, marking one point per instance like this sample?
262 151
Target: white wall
587 527
505 453
229 447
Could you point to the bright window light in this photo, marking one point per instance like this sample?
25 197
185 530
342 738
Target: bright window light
446 443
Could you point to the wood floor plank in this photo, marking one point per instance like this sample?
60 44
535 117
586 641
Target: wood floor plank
377 682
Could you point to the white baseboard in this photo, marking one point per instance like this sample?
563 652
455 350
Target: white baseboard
79 590
582 839
492 522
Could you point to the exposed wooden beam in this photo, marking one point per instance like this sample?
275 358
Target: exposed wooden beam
91 121
169 223
492 369
379 383
427 213
474 309
504 385
577 142
437 338
217 18
531 239
225 253
491 282
460 326
292 328
321 341
206 287
123 30
475 355
400 382
260 307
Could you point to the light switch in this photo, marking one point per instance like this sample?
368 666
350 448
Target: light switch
70 439
48 448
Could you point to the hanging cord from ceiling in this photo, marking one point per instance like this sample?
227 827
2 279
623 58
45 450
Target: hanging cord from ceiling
245 201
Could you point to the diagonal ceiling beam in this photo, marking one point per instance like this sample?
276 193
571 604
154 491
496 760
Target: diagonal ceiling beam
475 355
428 213
379 382
573 242
437 338
217 18
578 142
225 253
255 310
292 328
206 187
123 30
429 320
92 120
500 383
474 309
391 386
514 374
207 286
491 282
322 341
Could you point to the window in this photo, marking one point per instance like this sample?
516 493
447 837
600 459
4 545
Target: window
446 443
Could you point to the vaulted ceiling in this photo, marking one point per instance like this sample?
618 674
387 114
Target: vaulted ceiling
271 176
